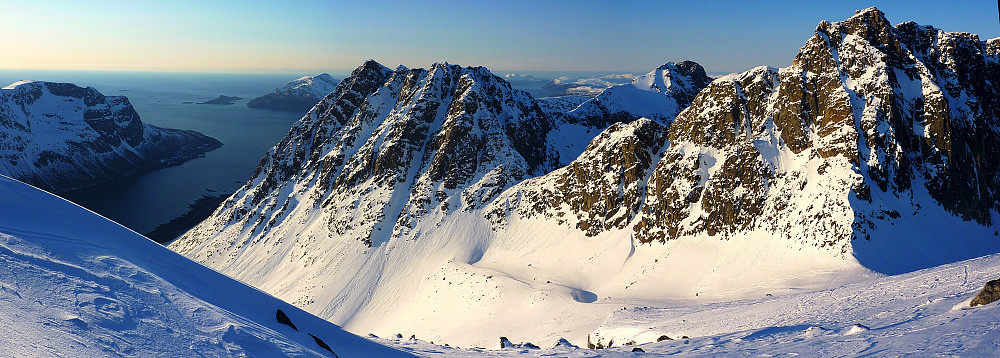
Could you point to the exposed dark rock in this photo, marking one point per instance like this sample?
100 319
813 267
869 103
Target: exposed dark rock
562 342
989 294
283 319
638 350
321 344
505 343
664 338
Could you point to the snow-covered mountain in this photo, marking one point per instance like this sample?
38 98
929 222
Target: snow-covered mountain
444 204
59 136
298 96
74 284
658 95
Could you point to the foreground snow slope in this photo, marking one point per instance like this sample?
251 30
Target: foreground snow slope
75 284
924 313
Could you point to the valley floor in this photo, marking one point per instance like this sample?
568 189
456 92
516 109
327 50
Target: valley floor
924 313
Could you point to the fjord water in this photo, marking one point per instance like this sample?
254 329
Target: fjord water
142 202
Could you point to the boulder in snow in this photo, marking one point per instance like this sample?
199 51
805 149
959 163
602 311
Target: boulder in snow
990 293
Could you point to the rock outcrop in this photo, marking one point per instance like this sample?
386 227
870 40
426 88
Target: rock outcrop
989 294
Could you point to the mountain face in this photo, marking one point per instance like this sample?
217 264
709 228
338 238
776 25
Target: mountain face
296 96
443 202
74 284
58 136
872 125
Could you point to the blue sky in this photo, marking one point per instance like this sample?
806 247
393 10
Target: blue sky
309 36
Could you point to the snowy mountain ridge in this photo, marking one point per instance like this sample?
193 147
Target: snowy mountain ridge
59 136
442 202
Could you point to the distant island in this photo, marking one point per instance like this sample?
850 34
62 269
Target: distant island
297 96
227 100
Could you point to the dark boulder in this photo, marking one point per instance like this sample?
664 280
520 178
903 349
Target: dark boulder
990 293
283 319
321 344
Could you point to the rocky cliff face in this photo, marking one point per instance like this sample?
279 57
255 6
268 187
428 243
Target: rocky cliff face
870 119
389 148
58 136
296 96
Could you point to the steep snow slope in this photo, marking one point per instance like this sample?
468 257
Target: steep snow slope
873 154
298 95
74 284
59 136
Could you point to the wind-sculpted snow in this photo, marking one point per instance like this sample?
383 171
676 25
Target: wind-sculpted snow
73 284
59 136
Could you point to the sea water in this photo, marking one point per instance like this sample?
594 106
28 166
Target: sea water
145 201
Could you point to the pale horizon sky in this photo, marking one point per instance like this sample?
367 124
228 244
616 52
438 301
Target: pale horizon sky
253 36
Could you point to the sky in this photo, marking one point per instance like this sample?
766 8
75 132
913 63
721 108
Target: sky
299 36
